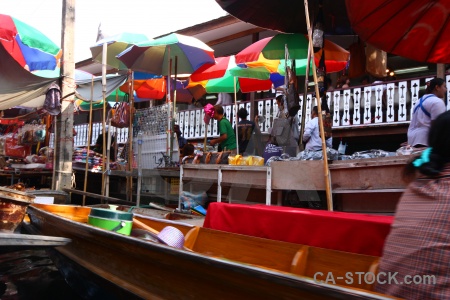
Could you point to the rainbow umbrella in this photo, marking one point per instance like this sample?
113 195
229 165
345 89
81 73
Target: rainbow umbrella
154 56
27 45
220 77
273 48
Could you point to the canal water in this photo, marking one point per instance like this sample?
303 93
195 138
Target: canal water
31 275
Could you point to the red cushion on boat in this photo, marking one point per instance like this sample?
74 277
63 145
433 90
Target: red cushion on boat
351 232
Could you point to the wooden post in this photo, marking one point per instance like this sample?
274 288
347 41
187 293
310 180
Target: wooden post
64 133
326 171
305 96
89 141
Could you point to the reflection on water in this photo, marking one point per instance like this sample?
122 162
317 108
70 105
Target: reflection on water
30 274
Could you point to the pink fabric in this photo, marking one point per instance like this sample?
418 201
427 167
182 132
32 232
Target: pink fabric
209 113
351 232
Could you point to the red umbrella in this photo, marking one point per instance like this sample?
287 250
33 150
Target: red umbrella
416 29
155 88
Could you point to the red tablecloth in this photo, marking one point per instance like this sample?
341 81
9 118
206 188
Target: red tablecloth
351 232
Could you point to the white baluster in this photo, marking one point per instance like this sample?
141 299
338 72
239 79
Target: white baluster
346 113
390 107
336 107
356 106
197 132
415 87
379 103
402 100
367 105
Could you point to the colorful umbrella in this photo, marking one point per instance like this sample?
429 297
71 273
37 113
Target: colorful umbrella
27 45
153 56
273 48
115 45
416 29
219 78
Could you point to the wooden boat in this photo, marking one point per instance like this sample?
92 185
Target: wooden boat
213 264
13 206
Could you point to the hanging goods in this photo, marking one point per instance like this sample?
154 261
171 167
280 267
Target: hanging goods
292 96
121 117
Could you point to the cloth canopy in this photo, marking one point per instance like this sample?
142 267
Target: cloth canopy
19 87
83 90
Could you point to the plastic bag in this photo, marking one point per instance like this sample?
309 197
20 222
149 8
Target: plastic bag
13 149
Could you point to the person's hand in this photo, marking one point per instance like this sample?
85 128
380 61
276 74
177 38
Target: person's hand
212 142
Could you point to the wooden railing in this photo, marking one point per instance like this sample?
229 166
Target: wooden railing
380 104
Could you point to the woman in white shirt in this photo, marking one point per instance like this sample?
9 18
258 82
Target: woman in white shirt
312 133
428 108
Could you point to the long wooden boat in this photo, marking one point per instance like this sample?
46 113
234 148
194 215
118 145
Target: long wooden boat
212 265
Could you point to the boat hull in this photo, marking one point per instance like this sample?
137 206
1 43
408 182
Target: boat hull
148 270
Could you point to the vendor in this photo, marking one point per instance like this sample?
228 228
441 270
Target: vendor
428 108
227 138
312 133
99 145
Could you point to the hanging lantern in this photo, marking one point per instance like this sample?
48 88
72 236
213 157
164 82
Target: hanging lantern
318 30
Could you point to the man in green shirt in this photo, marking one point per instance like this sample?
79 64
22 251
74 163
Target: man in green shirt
227 138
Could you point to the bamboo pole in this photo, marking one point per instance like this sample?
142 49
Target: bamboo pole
130 140
104 55
305 95
89 141
326 171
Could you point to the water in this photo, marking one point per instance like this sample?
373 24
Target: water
30 274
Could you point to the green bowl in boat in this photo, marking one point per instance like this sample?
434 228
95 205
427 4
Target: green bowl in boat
117 221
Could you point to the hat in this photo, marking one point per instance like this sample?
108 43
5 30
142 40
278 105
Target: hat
169 235
242 113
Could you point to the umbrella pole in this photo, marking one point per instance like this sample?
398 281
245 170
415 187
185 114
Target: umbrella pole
174 107
88 141
169 102
104 55
130 140
319 108
235 114
305 95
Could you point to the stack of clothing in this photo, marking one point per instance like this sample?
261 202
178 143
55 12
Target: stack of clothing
80 155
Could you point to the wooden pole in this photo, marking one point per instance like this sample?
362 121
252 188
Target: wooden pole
88 141
305 95
104 56
326 171
64 134
130 140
